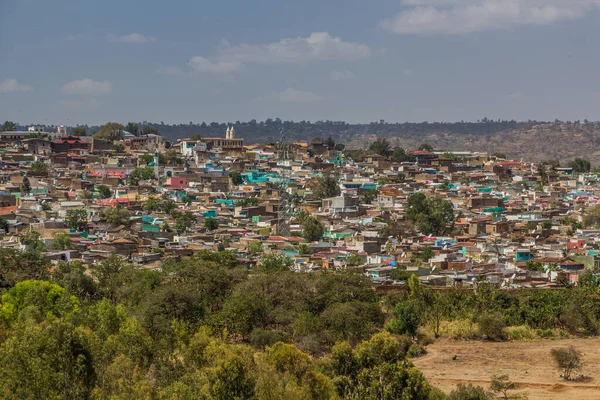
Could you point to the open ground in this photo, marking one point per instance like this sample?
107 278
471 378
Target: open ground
528 363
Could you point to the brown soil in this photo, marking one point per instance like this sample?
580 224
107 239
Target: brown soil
528 363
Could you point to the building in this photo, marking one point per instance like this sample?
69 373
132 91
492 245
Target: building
229 142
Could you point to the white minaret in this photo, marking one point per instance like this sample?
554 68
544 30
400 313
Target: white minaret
232 133
227 133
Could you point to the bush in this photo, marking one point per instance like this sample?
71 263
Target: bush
261 338
491 327
522 332
567 359
459 329
468 392
416 350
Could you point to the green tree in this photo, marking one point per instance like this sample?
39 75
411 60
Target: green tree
399 155
369 196
381 146
312 229
9 126
468 392
132 127
110 131
275 262
77 219
148 130
151 204
184 221
104 191
38 168
430 215
255 248
408 318
25 186
236 178
502 385
33 240
231 379
140 174
62 241
146 158
78 131
580 165
330 143
116 216
426 147
326 186
211 223
567 359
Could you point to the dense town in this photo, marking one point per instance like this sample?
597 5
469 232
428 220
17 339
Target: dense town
453 219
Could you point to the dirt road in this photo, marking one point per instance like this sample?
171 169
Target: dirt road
528 363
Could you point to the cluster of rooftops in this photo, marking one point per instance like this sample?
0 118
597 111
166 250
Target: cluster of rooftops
515 224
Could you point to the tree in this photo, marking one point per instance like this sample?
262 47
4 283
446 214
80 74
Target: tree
400 155
499 155
426 147
326 186
211 224
33 240
431 216
78 131
408 318
354 260
104 191
275 262
132 127
146 158
580 165
567 359
151 204
330 143
116 216
140 174
236 178
381 146
9 126
110 131
427 254
77 219
255 248
398 229
185 221
62 241
25 186
591 217
468 392
312 229
369 196
501 384
148 130
38 168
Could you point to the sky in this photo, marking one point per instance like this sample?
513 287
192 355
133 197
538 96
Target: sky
88 62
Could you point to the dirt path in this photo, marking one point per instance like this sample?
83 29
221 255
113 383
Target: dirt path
528 363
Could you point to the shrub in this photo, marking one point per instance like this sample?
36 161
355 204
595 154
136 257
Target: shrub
567 359
459 329
491 327
261 338
416 350
522 332
468 392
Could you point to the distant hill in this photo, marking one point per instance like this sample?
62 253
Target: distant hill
531 140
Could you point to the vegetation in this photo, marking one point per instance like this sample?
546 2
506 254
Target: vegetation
116 216
78 131
77 219
25 186
110 131
9 126
140 174
38 168
326 186
580 165
430 215
567 359
211 224
236 177
312 229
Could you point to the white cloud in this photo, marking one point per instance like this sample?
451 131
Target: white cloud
13 86
318 46
341 75
169 70
291 95
452 17
135 38
87 87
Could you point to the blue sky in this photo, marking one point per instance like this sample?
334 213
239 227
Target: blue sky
84 61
